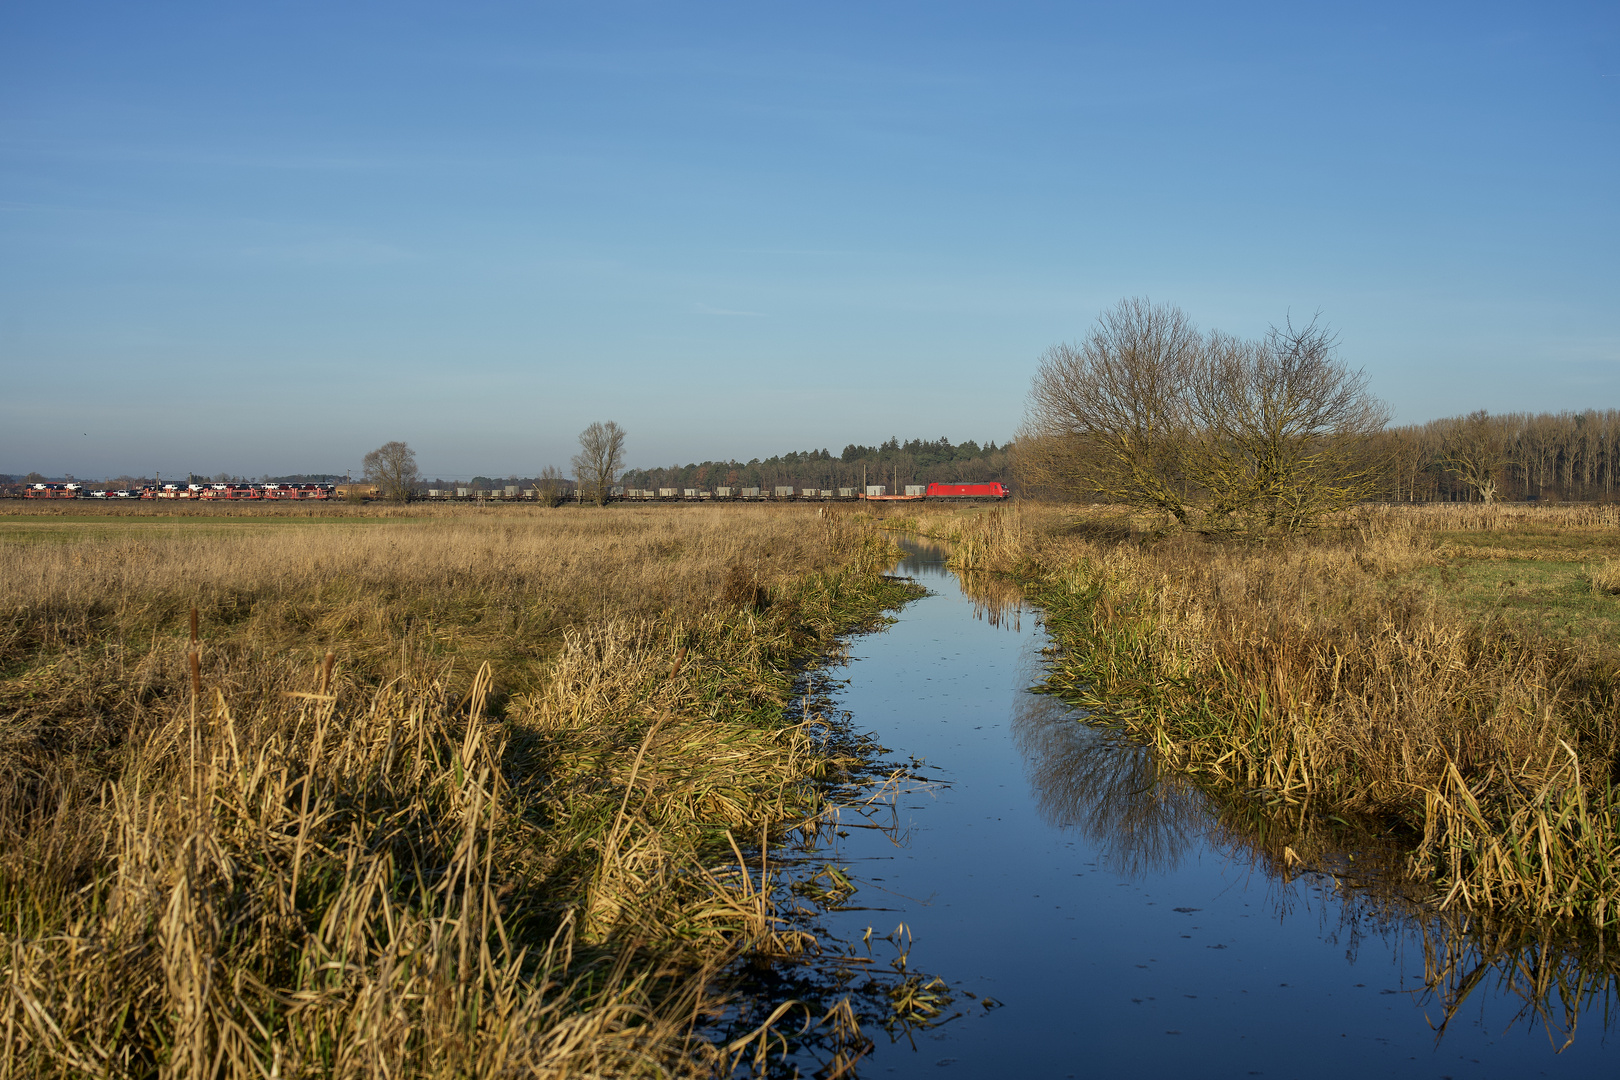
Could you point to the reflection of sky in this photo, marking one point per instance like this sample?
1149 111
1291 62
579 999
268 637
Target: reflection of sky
1050 872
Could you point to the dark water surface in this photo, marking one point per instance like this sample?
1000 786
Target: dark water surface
1114 931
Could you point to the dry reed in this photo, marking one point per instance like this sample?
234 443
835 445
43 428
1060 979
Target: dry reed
1605 577
482 795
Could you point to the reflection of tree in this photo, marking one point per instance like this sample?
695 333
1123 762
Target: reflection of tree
1352 875
1109 788
924 558
997 599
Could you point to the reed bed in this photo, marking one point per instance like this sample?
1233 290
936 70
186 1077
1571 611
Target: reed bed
1338 672
480 795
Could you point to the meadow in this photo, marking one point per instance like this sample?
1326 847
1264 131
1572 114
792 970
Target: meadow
450 791
1446 679
407 792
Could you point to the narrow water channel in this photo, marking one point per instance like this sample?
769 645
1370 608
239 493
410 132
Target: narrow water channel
1091 920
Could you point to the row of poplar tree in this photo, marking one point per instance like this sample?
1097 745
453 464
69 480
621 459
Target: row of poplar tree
1572 456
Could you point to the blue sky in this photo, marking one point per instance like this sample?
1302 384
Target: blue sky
266 238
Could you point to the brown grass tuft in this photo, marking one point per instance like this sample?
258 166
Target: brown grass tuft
1605 578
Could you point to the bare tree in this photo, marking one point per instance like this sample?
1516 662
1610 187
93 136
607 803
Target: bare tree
392 467
1284 432
600 457
1211 430
1108 418
549 485
1476 451
1409 451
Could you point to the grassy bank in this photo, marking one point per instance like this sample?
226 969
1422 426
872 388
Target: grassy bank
475 794
1448 676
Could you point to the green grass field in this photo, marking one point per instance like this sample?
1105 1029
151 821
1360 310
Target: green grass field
1537 580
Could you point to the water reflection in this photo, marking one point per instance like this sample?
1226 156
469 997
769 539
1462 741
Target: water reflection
1144 821
1107 786
924 557
1351 876
996 598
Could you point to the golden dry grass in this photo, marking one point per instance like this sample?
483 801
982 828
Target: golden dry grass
515 825
1605 577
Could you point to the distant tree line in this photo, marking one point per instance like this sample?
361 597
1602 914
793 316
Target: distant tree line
892 463
1134 446
1482 457
303 478
600 465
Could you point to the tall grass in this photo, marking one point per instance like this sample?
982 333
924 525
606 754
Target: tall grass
473 796
1605 577
1324 671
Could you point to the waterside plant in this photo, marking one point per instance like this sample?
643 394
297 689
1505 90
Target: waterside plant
1396 666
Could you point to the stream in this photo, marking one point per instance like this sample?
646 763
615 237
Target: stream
1092 918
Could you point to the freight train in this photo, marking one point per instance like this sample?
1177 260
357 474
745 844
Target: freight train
238 492
874 492
183 491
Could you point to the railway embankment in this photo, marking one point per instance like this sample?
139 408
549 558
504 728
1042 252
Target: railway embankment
1444 679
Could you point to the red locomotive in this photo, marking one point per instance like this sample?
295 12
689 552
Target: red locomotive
968 491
